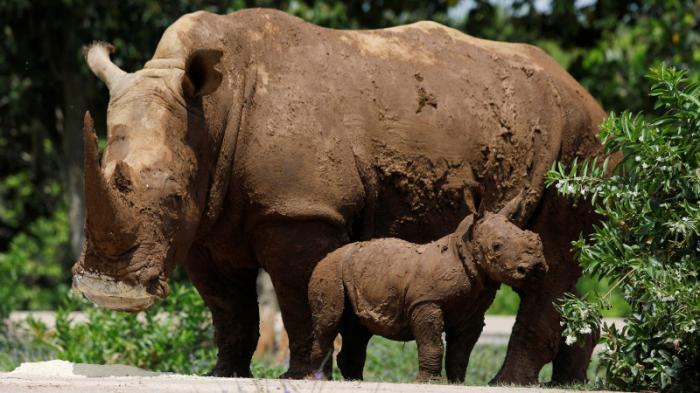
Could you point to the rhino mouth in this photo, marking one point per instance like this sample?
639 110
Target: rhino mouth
116 295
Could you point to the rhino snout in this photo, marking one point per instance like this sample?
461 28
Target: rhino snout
531 270
106 292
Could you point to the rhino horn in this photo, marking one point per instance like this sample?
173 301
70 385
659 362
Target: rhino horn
109 225
97 57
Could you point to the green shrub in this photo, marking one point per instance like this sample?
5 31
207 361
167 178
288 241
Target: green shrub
173 335
31 274
647 243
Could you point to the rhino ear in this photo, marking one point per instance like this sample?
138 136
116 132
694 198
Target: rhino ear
201 77
465 229
512 209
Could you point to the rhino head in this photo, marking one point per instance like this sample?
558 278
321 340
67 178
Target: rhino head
145 195
503 252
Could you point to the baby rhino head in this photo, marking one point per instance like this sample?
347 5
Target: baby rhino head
506 253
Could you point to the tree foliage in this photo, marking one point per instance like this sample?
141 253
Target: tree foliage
648 242
608 45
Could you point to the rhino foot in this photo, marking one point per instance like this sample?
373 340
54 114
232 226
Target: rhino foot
229 371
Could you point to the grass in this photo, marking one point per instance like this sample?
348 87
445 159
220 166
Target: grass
391 361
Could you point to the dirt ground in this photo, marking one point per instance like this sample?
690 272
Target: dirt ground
64 377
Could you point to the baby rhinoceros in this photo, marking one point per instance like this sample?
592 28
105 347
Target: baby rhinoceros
406 291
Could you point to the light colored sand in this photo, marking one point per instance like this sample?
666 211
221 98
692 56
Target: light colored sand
68 370
64 377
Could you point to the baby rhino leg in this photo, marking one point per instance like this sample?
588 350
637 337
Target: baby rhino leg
326 299
427 325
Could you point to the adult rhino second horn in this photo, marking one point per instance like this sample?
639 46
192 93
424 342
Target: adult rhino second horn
97 58
110 228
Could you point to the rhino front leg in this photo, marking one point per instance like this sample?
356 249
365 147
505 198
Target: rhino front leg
460 342
427 325
535 340
533 343
232 300
289 251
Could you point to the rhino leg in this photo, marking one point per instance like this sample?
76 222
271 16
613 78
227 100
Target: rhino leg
571 363
353 353
535 340
460 342
232 300
427 325
533 343
327 301
289 251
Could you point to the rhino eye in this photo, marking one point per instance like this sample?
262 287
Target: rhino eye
497 246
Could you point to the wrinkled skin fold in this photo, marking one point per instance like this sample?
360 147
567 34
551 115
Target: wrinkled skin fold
256 140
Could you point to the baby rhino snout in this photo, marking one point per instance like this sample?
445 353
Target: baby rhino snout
535 269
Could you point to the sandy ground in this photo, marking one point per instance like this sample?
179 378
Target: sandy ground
58 376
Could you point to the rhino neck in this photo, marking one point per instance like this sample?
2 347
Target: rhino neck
225 110
470 255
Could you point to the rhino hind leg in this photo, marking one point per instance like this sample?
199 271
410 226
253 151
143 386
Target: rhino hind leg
327 301
289 250
353 354
571 363
232 300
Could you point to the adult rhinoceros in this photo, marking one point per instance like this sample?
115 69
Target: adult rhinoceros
258 140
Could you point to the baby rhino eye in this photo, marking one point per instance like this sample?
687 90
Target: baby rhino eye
497 246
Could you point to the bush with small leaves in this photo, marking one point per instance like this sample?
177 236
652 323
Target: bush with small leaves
648 240
173 335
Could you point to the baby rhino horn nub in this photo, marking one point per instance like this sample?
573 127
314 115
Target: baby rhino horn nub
97 58
108 226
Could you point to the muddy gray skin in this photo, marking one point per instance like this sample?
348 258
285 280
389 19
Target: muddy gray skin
406 291
258 140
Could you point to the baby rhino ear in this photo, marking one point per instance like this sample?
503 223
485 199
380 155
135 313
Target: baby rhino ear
512 209
201 77
465 229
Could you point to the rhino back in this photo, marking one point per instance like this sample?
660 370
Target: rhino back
387 128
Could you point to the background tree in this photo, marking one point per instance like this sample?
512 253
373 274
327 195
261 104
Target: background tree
45 86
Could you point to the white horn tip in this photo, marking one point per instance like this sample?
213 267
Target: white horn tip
98 45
